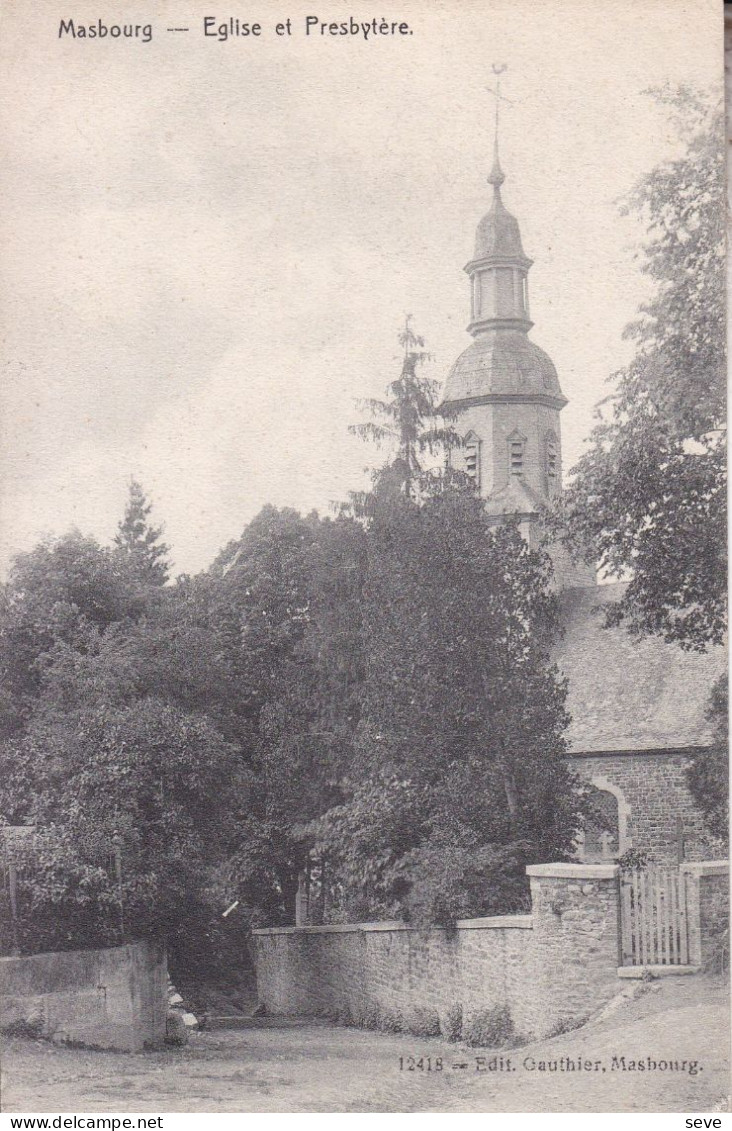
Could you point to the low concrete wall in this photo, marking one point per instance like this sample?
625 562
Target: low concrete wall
112 999
547 970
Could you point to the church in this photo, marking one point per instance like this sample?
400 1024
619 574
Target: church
638 707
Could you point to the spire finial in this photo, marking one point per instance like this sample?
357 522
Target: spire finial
496 177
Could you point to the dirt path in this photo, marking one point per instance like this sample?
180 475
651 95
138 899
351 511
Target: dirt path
301 1066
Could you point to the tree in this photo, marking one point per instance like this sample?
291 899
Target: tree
120 736
458 692
112 756
708 772
294 585
56 591
139 542
408 421
135 803
648 498
460 755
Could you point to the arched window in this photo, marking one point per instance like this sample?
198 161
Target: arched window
602 829
552 463
606 834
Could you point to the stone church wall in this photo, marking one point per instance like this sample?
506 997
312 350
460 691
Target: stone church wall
653 803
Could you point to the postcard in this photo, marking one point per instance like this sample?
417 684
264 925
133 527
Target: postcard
362 498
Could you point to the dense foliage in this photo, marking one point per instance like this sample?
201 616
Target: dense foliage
708 773
460 777
648 499
365 700
294 584
113 749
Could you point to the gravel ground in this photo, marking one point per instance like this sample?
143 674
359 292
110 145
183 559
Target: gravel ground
285 1065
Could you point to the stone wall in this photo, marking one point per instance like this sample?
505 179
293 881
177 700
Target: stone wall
546 971
707 895
389 975
576 913
653 798
113 998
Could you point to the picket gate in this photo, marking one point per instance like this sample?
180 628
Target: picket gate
653 917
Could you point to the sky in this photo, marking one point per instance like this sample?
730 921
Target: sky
208 247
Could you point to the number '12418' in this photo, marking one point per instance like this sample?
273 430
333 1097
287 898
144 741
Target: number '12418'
420 1064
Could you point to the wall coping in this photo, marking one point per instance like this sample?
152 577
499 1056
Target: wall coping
640 752
330 929
518 922
80 954
706 867
490 923
574 871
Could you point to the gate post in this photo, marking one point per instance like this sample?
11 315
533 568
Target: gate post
707 907
576 933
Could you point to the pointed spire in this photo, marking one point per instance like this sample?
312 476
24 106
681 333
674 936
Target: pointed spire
496 176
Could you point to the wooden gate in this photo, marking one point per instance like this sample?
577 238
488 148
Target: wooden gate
654 928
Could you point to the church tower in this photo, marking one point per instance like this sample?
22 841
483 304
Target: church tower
502 394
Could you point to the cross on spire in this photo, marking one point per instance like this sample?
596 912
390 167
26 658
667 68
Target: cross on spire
496 177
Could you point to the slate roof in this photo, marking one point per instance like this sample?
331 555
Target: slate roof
498 233
502 362
627 694
515 497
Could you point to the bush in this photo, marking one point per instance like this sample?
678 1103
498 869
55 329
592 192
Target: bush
452 1022
490 1028
375 1016
567 1025
423 1022
633 859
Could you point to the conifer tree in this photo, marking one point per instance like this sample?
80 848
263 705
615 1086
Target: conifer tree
408 421
139 541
